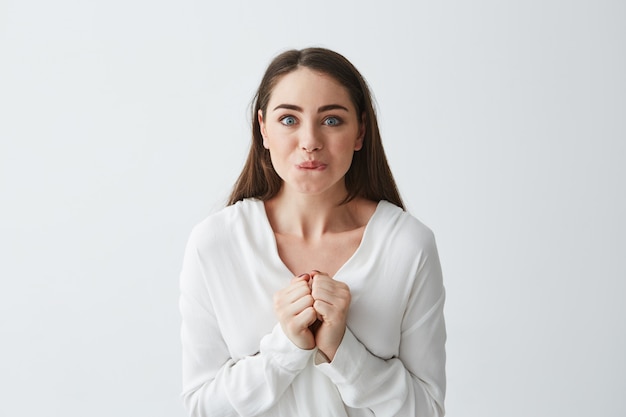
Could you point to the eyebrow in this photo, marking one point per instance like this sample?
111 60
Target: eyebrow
320 110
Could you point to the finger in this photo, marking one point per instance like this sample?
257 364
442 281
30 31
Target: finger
301 304
300 322
295 290
284 300
323 308
305 318
301 277
332 296
332 304
296 307
315 273
331 314
330 290
318 276
297 328
322 277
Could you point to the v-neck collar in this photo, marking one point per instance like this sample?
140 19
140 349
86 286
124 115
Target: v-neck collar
274 244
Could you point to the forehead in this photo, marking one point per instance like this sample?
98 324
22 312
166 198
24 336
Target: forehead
307 87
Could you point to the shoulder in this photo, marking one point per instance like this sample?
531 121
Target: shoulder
402 222
225 223
402 228
408 245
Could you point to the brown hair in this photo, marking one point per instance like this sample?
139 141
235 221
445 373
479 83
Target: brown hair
369 175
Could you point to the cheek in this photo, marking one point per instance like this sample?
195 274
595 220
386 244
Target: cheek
278 141
346 149
279 153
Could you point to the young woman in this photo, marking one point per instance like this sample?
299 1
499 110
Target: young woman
313 293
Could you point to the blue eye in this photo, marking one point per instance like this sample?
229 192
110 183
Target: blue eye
332 121
288 120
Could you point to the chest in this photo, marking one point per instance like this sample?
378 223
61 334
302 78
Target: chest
328 254
244 308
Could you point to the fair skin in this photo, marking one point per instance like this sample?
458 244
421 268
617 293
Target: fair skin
312 130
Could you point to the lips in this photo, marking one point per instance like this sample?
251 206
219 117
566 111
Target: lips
313 165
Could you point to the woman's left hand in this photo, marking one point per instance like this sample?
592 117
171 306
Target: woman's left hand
332 301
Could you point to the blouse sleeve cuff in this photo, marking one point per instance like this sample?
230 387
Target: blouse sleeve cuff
348 362
283 352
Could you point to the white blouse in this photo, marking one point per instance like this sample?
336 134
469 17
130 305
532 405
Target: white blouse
238 362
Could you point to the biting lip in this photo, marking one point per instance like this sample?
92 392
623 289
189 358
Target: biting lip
312 165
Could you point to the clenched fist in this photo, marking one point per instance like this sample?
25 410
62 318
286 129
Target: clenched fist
331 303
293 306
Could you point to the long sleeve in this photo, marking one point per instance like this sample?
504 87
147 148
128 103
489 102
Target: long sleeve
214 384
412 383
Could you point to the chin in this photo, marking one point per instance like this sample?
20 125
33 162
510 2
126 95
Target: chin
318 189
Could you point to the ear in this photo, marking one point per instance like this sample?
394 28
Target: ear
263 128
359 140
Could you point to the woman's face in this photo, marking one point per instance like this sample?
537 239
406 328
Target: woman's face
312 131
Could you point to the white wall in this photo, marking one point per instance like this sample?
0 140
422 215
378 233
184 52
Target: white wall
124 123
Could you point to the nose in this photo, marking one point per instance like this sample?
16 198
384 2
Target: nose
310 140
310 149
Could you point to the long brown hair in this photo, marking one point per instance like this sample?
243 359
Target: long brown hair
369 175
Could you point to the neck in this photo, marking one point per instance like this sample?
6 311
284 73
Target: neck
310 216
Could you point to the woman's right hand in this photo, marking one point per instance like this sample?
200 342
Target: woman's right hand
293 306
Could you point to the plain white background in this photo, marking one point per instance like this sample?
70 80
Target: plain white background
124 123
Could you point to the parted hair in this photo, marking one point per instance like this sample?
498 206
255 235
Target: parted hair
369 175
